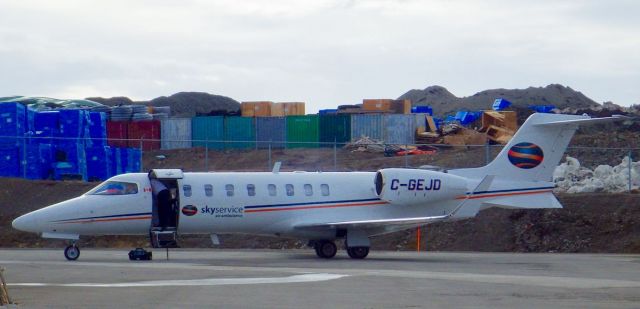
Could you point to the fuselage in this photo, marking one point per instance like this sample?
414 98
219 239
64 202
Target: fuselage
254 203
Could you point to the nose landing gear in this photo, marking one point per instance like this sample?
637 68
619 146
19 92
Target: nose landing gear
72 252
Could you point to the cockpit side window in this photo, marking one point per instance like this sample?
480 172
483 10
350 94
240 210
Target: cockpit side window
115 188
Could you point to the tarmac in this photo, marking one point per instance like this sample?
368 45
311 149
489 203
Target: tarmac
298 279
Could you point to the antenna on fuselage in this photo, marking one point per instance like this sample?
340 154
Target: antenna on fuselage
276 167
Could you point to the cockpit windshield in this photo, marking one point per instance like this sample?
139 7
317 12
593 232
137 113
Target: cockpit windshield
115 188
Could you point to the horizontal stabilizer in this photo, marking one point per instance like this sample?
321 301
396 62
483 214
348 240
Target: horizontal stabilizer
533 201
586 121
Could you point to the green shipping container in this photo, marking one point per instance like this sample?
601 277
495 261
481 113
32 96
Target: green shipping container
209 131
302 131
239 132
335 129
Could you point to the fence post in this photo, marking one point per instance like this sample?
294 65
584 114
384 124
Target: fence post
24 156
141 153
487 153
206 154
269 163
335 155
406 156
629 170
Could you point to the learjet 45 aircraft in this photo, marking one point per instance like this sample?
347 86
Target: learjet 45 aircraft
321 207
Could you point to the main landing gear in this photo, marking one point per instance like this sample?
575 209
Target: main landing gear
358 252
72 252
327 249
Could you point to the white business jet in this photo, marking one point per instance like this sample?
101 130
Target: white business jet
321 207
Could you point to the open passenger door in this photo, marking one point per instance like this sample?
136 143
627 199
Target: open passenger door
165 210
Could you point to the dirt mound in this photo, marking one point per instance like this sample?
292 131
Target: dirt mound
183 104
444 102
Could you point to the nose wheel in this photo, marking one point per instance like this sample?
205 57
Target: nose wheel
72 252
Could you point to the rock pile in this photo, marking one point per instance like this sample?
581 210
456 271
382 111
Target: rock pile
570 177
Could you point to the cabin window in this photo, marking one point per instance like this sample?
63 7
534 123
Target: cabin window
229 189
308 190
187 190
251 190
272 189
115 188
289 188
208 190
324 189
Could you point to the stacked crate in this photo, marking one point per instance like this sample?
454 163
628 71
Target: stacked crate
12 132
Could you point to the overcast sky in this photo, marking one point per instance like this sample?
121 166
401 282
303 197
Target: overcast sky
325 53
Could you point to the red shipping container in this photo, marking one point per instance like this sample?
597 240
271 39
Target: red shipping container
117 133
148 131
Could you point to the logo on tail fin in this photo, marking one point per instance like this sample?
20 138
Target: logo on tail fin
526 155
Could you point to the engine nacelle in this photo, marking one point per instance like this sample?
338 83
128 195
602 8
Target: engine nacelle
413 187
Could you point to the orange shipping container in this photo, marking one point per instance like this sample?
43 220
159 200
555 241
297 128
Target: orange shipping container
288 109
376 104
401 106
256 109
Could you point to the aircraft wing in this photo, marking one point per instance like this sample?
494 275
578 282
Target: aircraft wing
395 224
379 223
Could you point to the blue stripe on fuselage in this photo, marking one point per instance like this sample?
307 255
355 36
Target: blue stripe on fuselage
310 203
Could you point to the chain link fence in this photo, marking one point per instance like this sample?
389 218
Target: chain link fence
22 155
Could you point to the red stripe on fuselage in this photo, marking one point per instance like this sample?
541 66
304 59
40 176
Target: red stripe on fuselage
108 220
502 194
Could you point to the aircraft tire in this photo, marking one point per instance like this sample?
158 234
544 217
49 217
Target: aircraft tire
358 252
326 249
72 252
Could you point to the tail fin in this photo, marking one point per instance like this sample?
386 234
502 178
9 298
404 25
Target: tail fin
536 148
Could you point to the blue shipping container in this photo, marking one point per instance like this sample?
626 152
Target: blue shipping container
73 154
271 131
116 161
73 123
500 104
331 111
98 163
30 120
131 160
208 131
422 109
12 124
98 129
399 129
38 160
9 163
371 126
46 125
239 132
175 133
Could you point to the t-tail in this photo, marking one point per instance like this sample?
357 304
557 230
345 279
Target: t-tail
524 168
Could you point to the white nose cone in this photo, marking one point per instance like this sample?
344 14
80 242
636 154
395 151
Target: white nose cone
26 223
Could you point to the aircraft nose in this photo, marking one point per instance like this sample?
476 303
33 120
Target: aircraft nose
26 223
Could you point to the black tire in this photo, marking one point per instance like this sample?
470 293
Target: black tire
358 252
72 252
326 249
